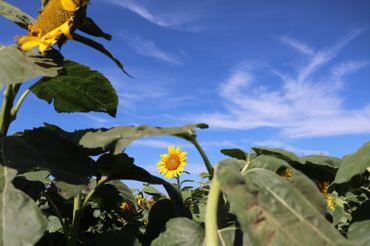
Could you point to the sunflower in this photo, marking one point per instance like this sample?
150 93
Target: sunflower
55 19
323 187
173 163
330 199
287 173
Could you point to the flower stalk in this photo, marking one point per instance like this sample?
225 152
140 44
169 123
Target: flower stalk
6 116
204 156
211 213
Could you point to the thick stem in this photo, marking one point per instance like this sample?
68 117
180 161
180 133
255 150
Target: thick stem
5 115
64 226
211 213
204 156
178 182
76 205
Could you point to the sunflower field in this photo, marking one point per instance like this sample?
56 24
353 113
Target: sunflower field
67 188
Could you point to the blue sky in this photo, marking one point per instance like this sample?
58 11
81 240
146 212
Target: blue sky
280 74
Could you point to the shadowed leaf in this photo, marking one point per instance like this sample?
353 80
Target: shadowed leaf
91 28
16 15
80 89
359 233
17 66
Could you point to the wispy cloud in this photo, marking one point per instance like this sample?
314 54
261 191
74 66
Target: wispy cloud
158 144
305 105
170 18
148 48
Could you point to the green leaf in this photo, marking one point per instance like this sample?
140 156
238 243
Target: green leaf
42 176
238 154
323 160
19 213
122 167
337 214
353 164
93 29
68 191
115 238
359 233
31 188
120 137
17 66
273 210
98 47
16 15
181 232
234 236
80 89
125 192
45 149
289 157
151 190
108 197
53 224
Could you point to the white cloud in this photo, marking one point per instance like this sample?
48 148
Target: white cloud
159 144
271 143
303 105
148 48
170 18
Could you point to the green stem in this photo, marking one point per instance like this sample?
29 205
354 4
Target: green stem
5 116
19 103
64 226
78 213
204 156
76 205
178 182
211 213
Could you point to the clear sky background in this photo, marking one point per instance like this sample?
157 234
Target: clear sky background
281 74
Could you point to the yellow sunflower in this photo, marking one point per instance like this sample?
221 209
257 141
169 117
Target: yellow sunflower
323 187
173 163
56 18
331 201
287 173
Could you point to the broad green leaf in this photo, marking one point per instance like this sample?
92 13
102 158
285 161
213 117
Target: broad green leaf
353 164
122 167
289 157
64 206
323 160
233 236
113 238
31 188
238 154
204 175
54 224
108 197
273 210
42 176
358 233
338 214
321 168
19 213
45 149
120 137
98 47
68 191
124 192
181 232
79 89
17 66
151 190
16 15
91 28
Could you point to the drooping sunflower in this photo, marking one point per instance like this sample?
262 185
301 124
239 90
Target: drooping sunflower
172 164
58 17
323 187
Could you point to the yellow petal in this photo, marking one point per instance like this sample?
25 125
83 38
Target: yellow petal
66 28
68 5
27 42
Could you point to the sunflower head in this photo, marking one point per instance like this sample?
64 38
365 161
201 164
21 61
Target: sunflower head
172 164
58 17
323 187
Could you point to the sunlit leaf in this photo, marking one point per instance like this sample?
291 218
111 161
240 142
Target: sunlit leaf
16 15
181 232
120 137
353 164
359 233
54 224
19 213
80 89
273 210
238 154
17 66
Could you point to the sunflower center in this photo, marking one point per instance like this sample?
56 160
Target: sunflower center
173 162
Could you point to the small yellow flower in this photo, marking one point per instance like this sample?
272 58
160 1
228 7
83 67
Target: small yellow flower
287 173
330 201
102 179
56 18
129 209
173 163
